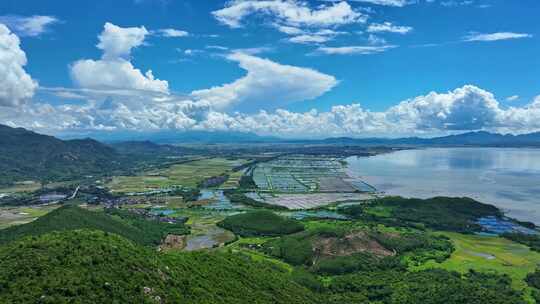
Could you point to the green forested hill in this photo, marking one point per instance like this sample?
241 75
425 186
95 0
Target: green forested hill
25 155
96 267
84 266
139 230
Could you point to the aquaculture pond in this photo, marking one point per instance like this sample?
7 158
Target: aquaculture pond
161 212
218 200
363 186
320 214
301 174
213 237
496 225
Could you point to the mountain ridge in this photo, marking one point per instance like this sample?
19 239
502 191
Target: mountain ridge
477 138
26 155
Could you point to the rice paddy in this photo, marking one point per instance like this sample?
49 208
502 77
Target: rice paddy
186 175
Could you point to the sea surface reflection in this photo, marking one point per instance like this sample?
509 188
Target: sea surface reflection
505 177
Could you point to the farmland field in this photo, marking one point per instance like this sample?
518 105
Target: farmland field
28 186
483 253
233 181
181 175
10 216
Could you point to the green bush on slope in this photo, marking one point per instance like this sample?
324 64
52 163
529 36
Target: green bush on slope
260 223
438 213
84 266
137 229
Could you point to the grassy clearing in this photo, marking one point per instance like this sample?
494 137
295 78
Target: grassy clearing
11 216
175 202
381 211
233 181
241 246
186 175
29 186
487 254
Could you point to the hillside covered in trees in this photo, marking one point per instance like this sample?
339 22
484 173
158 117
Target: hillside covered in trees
131 226
25 155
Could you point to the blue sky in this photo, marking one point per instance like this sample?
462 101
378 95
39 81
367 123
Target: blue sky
316 68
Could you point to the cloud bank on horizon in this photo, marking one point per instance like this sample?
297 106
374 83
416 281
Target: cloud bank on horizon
115 95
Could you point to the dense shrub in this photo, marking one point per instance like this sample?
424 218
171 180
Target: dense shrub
439 213
410 249
533 279
428 287
129 225
84 266
307 279
418 247
260 223
295 250
356 262
238 197
188 195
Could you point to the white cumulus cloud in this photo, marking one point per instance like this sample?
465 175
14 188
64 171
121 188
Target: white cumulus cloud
118 41
114 70
114 74
266 83
16 86
466 108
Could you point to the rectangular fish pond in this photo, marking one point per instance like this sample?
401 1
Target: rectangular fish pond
494 225
218 200
321 214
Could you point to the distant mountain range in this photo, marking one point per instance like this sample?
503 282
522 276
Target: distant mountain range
480 138
149 148
175 137
467 139
25 155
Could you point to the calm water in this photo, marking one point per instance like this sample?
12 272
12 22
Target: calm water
507 178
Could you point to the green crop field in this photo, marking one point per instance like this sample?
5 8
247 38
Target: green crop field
487 254
10 216
28 186
185 175
233 181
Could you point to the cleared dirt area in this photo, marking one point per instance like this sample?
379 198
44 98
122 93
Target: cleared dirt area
356 242
173 242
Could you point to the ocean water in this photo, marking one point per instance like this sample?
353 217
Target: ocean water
508 178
